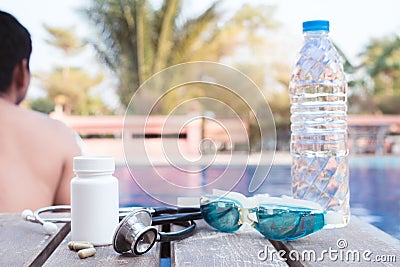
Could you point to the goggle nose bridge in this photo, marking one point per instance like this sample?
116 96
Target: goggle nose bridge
248 215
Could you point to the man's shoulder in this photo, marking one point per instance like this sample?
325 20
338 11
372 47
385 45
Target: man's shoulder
34 131
46 126
44 120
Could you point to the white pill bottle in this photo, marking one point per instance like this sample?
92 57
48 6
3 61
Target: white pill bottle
94 200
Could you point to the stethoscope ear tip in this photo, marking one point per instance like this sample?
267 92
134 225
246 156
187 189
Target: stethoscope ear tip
50 228
26 213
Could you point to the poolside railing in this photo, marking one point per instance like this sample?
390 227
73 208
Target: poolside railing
368 134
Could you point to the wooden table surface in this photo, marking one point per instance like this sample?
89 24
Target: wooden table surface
359 244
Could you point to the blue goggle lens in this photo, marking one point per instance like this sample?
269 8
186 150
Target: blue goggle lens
284 224
222 215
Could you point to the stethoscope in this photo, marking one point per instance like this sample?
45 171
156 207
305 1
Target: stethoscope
136 232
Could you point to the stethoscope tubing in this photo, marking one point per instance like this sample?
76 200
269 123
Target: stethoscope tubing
160 215
174 218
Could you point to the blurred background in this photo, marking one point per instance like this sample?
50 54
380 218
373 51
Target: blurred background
90 56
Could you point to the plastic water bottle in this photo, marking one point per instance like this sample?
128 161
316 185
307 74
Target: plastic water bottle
319 150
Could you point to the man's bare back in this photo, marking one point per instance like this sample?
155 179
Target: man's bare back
36 152
35 159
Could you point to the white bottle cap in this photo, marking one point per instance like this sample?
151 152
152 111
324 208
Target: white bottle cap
93 164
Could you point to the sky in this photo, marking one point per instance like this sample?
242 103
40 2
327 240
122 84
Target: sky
353 24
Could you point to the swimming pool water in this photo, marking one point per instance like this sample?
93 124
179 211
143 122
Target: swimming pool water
374 187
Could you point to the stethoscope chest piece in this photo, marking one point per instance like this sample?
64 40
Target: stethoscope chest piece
135 233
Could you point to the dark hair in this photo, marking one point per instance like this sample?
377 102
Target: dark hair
15 45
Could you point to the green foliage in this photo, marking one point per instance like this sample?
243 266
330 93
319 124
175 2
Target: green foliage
381 59
137 39
389 104
382 56
69 87
63 39
43 105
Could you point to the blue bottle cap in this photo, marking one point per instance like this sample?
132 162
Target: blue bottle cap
316 25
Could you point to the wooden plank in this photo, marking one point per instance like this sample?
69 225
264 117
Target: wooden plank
24 243
358 244
209 247
105 256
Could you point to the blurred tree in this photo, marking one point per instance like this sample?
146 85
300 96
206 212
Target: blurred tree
137 39
71 90
42 104
389 104
360 87
64 39
66 86
381 58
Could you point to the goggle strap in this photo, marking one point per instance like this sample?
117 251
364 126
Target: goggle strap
333 217
188 202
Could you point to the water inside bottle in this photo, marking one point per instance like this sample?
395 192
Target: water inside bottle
319 148
323 179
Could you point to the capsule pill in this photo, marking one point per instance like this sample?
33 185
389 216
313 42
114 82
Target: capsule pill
71 245
87 252
78 245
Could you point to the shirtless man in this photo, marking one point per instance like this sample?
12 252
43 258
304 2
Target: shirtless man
36 151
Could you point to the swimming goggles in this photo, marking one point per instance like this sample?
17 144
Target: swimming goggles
282 219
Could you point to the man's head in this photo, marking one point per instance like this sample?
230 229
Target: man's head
15 51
